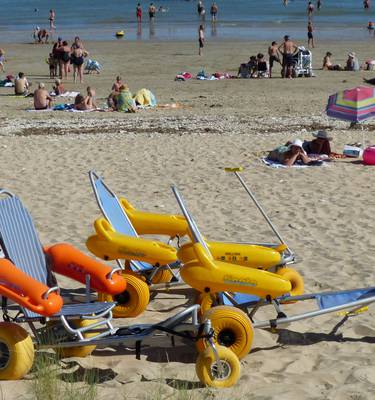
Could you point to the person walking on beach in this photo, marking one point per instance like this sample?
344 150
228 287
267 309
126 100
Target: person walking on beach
138 12
151 12
310 36
310 9
273 53
287 49
51 18
201 38
64 59
214 10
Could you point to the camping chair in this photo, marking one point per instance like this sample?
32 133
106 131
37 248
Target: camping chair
111 207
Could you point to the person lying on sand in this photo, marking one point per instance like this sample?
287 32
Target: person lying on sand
42 100
319 145
290 154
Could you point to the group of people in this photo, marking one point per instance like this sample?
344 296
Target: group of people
120 98
258 67
352 63
214 9
63 55
308 152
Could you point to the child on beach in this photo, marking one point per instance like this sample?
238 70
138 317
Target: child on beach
58 88
201 38
328 64
52 65
273 53
2 60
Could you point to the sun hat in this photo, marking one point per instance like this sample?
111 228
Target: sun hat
296 143
322 135
351 54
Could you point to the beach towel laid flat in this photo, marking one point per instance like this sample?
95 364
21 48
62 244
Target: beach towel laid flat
66 94
276 164
46 109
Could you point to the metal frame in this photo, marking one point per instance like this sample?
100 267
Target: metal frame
252 307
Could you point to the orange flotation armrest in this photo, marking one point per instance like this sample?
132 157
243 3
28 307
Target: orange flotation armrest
146 223
26 291
69 261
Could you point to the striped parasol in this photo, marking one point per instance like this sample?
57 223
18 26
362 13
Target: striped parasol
354 105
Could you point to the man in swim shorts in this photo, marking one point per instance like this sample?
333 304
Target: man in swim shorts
287 49
310 36
273 53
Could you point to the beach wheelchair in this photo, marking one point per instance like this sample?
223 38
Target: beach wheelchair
302 63
157 263
75 329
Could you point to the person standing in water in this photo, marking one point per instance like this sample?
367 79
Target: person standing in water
214 10
310 9
318 4
52 15
310 36
366 4
138 12
201 38
152 12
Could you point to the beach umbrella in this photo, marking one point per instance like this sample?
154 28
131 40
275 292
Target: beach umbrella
354 105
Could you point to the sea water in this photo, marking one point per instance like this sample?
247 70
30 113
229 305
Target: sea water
179 20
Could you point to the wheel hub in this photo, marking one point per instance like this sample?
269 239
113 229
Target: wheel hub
4 355
122 298
226 337
225 368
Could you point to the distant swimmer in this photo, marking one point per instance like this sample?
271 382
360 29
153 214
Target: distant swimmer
36 9
370 27
285 2
151 12
318 4
201 38
366 4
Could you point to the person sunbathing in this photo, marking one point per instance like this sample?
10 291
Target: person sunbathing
84 103
290 154
328 65
21 85
58 88
42 100
320 145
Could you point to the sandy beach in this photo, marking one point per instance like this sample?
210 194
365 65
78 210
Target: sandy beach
324 213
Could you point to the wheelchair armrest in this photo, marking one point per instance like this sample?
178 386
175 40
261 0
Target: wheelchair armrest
69 261
28 292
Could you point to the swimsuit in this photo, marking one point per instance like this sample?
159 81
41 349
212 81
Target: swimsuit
65 56
273 59
309 35
201 44
78 61
288 60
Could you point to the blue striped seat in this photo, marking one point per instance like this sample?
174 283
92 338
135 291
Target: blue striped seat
21 245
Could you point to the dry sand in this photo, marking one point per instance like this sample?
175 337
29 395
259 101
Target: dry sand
323 212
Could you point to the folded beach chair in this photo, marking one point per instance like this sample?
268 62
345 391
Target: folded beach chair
76 329
250 292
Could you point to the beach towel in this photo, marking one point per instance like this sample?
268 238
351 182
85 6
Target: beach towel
66 94
276 164
145 98
183 76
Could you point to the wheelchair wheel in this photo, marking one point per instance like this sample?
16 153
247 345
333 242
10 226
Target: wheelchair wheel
295 279
212 374
232 329
132 301
78 351
162 276
16 351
